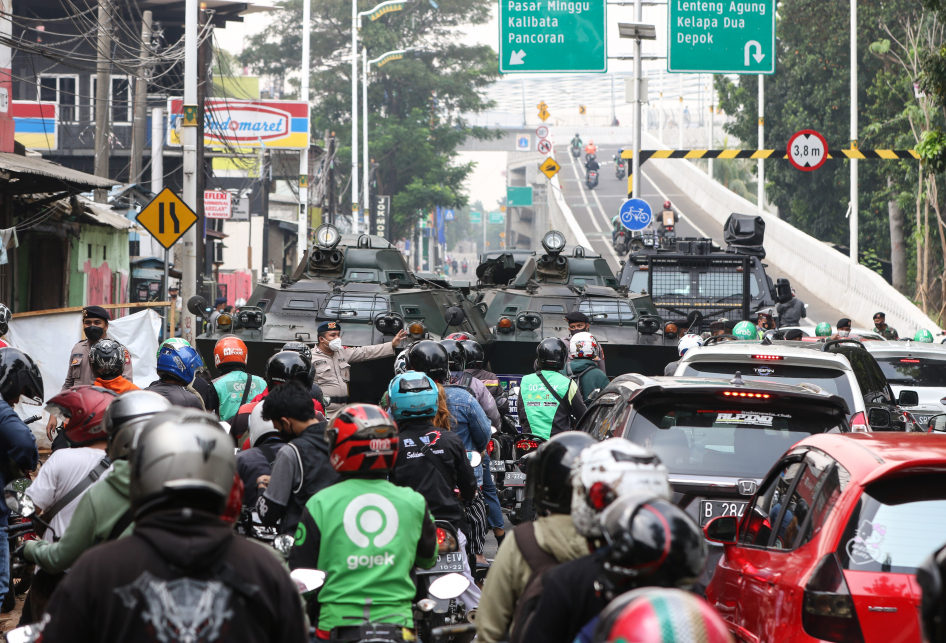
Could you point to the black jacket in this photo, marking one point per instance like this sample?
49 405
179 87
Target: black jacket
413 468
176 394
177 578
568 601
491 381
208 393
255 462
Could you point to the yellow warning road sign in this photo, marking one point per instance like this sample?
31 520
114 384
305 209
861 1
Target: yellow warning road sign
541 106
581 109
549 167
544 114
167 218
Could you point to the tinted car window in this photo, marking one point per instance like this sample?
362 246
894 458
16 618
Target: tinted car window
831 380
766 506
896 524
718 438
597 421
616 311
877 375
354 307
819 490
862 375
914 371
724 285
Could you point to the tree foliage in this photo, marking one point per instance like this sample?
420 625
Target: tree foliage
415 104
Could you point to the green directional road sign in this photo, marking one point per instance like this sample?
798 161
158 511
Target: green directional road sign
475 217
553 35
519 197
721 36
496 217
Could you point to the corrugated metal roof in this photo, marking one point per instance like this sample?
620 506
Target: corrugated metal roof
104 214
16 164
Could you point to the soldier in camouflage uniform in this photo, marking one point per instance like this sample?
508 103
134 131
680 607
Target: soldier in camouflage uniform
881 327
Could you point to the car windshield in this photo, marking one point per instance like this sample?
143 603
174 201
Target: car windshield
720 285
831 380
610 311
914 371
721 439
342 307
896 525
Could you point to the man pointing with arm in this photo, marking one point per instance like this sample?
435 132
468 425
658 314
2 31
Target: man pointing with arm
332 362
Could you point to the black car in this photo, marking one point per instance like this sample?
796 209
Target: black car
718 438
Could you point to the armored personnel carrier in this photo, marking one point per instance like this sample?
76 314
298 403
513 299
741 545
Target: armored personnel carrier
363 282
525 299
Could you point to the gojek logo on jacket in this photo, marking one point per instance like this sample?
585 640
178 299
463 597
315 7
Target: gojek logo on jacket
370 520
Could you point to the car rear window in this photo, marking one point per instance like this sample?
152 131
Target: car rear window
897 523
724 439
831 380
913 371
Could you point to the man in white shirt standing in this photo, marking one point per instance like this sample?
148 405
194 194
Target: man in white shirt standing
66 475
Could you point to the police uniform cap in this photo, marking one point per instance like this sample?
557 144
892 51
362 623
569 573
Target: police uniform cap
325 327
97 312
575 317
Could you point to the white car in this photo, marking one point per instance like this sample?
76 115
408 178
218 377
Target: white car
917 366
869 397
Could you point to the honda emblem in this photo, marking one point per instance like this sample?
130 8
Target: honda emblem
747 487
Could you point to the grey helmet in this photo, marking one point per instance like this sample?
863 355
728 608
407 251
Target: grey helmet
5 317
126 415
258 426
182 450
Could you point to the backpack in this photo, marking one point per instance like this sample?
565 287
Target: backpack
539 561
576 378
462 380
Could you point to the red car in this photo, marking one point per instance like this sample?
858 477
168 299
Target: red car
828 547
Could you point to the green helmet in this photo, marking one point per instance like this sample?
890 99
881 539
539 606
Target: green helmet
823 330
924 336
746 330
173 341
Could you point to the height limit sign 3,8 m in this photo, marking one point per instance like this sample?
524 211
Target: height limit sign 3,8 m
721 36
553 36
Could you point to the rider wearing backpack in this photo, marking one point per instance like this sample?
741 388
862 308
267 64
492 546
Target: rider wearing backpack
581 369
549 402
515 579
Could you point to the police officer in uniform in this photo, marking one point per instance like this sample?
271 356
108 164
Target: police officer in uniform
580 323
95 326
331 361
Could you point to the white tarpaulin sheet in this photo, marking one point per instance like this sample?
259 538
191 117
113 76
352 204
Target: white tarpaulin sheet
49 339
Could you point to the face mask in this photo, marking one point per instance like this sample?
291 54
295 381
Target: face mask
843 333
577 330
335 344
94 333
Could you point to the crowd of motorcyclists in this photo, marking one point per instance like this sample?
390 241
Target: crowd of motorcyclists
198 509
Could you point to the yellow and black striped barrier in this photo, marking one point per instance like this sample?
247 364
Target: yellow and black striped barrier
890 155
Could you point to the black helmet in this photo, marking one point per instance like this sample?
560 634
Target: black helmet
652 543
551 353
550 468
929 576
126 415
285 366
475 357
107 358
19 376
5 317
456 354
429 357
299 347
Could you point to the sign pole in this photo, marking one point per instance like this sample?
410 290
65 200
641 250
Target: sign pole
189 142
302 242
636 161
712 96
354 116
853 162
167 297
761 173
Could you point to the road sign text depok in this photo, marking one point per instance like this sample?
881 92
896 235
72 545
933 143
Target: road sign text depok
553 35
721 36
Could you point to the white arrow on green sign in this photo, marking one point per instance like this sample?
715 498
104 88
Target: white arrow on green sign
553 35
721 36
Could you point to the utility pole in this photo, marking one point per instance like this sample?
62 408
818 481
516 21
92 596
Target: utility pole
761 172
853 162
102 86
265 172
157 175
304 173
355 23
141 102
332 202
637 178
189 143
205 252
712 133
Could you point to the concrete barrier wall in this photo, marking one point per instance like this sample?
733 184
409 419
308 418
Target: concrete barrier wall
828 274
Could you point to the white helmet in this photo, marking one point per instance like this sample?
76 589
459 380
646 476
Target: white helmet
400 363
687 342
584 345
608 470
258 426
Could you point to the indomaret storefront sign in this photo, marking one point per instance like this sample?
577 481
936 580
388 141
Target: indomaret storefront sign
247 123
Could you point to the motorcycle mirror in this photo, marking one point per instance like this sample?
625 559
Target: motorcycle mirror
24 634
475 458
426 605
308 580
283 544
14 495
514 391
197 305
449 586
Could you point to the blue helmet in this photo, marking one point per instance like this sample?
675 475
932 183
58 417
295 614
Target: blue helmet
174 362
412 395
191 357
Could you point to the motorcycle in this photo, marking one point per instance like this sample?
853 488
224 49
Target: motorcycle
620 167
576 151
620 243
668 221
588 159
464 267
522 509
591 180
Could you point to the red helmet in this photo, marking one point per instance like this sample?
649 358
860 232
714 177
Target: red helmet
362 437
666 205
231 512
659 615
460 337
229 350
84 408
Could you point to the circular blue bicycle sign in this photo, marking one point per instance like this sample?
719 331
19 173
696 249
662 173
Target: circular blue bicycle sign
636 214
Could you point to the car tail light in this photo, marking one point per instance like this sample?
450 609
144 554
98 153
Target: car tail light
504 325
525 445
909 361
828 611
859 423
761 396
669 228
769 358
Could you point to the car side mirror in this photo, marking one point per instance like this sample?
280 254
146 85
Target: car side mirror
937 424
878 418
722 529
908 398
197 306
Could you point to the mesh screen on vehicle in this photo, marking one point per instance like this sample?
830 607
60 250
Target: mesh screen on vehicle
718 287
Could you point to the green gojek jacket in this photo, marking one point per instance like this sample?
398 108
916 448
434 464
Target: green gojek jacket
539 411
229 389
